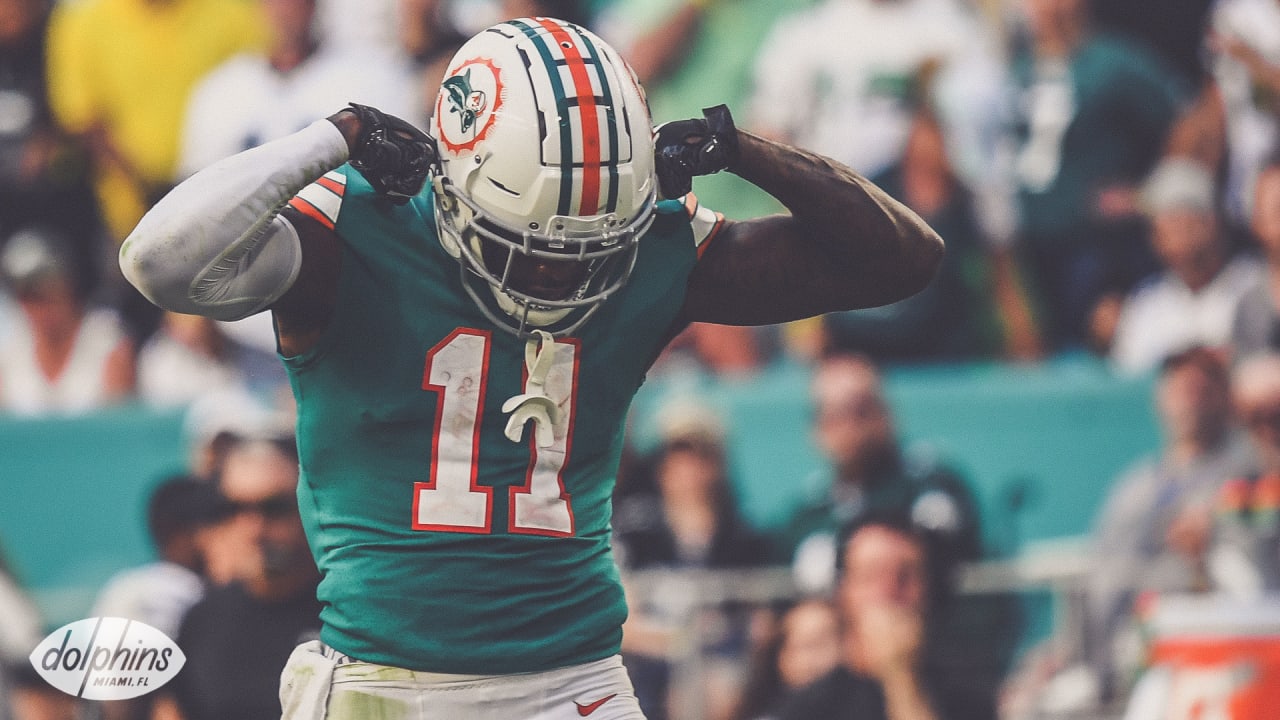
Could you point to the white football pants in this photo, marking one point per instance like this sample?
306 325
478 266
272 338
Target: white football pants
319 683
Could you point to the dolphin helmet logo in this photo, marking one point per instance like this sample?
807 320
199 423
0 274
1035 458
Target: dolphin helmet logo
468 104
464 100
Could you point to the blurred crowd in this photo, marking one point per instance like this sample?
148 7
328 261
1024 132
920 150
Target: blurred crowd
1106 174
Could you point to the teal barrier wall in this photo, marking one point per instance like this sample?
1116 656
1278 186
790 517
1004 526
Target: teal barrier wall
72 492
1050 437
72 500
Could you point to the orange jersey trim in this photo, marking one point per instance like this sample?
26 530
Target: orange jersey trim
306 208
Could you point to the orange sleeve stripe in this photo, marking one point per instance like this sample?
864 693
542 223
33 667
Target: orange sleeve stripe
715 230
329 183
306 208
690 202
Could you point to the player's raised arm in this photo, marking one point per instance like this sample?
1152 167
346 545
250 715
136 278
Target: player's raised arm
845 244
218 245
215 245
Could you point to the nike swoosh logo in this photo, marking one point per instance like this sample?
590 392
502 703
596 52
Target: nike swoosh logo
585 710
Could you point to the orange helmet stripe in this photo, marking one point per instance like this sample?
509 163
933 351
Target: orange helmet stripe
589 203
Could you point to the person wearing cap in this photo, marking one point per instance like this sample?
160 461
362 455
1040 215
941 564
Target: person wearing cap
1193 299
62 356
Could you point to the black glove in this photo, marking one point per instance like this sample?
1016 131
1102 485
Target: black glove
393 155
684 148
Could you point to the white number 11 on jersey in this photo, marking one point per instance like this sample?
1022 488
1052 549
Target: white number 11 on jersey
451 500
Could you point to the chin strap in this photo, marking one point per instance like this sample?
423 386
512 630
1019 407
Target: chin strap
534 404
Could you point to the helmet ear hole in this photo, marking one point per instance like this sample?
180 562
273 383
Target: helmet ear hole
503 188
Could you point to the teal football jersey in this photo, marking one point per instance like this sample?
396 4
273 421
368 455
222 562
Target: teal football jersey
445 546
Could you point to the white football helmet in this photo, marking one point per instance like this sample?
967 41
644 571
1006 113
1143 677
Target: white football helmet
547 171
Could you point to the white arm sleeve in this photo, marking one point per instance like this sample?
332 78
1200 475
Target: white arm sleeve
215 245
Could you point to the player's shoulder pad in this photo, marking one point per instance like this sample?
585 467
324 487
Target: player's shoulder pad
322 200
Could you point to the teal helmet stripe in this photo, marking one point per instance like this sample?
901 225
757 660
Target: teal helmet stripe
611 115
562 105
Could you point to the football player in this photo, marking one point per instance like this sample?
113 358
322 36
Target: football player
465 318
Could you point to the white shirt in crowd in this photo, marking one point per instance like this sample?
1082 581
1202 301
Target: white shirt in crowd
158 594
836 77
79 388
1166 316
245 101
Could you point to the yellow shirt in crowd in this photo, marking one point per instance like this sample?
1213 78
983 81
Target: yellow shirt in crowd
129 66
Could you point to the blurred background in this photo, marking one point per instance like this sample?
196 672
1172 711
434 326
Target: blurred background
1076 426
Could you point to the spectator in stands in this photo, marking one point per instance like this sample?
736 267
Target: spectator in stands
1256 326
946 320
847 78
180 513
883 598
1077 167
1153 527
1247 523
1177 39
870 473
191 356
690 516
217 421
1193 300
368 25
238 638
115 80
120 72
161 592
64 356
255 96
840 77
689 521
223 544
1245 40
801 646
44 176
1177 42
